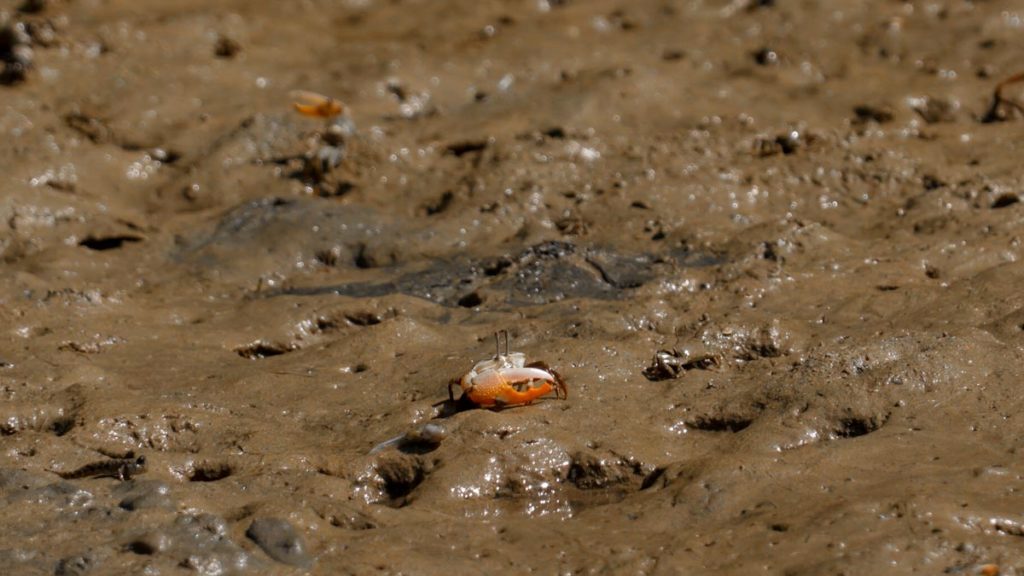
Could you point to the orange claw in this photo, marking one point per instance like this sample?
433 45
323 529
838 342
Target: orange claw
316 105
507 380
513 387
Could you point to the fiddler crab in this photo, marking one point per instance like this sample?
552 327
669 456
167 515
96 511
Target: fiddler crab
327 147
316 105
507 380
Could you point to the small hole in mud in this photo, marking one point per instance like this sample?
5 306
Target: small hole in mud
471 300
108 242
329 256
62 426
720 423
363 318
556 132
779 527
258 350
142 546
652 478
495 266
364 260
210 472
360 368
460 149
439 205
1005 200
854 427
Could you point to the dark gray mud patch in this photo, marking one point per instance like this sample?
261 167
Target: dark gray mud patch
269 233
280 541
539 274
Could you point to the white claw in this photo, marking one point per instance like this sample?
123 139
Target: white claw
520 374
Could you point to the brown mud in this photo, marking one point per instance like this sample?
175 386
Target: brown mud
812 209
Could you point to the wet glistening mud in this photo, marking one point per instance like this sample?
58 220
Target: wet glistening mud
771 247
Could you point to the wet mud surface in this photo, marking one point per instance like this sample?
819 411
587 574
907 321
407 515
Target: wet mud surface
773 247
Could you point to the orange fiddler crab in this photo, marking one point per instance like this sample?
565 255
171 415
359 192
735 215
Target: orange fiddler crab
316 105
507 380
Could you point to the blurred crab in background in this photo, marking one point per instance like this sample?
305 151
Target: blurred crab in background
327 147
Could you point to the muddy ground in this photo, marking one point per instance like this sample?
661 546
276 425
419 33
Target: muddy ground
811 208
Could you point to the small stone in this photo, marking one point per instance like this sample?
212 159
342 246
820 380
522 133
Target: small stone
278 539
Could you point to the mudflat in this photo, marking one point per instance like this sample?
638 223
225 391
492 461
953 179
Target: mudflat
772 247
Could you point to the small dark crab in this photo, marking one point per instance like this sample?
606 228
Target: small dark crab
669 364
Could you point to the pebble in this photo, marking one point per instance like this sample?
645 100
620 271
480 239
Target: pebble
278 539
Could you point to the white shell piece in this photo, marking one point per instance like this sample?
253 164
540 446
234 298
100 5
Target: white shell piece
499 363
